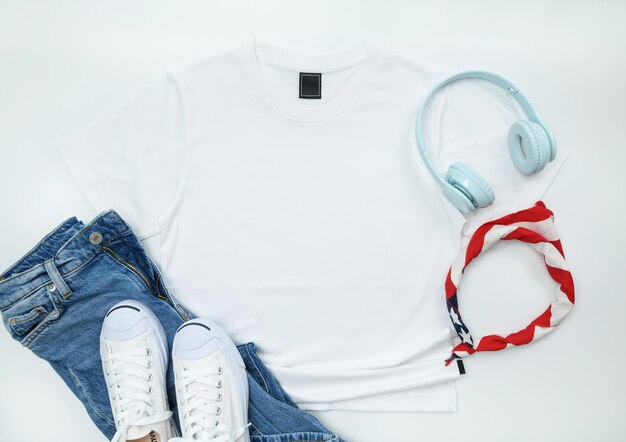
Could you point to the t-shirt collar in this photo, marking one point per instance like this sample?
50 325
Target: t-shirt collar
366 55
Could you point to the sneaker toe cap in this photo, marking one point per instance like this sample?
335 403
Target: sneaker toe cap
196 340
124 321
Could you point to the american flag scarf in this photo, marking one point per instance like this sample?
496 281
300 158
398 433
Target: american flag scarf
533 226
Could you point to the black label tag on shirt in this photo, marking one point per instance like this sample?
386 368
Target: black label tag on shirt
459 363
310 85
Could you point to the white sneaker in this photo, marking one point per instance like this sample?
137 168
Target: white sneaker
134 353
211 384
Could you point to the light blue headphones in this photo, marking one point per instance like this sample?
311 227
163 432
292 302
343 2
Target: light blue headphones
531 146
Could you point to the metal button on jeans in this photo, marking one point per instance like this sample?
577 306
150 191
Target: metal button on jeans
95 238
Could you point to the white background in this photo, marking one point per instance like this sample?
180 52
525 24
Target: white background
62 64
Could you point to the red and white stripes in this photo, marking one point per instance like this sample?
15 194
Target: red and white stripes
534 226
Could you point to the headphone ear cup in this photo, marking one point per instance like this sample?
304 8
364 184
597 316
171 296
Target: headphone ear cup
458 199
471 184
529 146
552 144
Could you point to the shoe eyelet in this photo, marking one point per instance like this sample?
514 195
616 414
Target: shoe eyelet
219 397
149 364
219 384
149 390
150 377
219 411
220 370
148 352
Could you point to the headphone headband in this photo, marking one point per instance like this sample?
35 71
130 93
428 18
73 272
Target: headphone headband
531 146
505 84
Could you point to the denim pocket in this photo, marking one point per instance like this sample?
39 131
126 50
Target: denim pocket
21 324
27 318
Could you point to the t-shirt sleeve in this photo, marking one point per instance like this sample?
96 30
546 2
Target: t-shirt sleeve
131 159
468 121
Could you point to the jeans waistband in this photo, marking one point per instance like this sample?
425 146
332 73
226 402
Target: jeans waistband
64 250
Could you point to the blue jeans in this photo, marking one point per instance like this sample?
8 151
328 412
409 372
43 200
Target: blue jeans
53 301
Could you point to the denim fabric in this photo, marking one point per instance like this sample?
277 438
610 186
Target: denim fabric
53 301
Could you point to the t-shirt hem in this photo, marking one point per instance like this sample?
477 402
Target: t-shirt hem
420 385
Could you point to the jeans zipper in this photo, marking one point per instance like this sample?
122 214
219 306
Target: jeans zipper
129 265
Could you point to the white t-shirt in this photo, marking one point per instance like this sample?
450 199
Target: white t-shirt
309 226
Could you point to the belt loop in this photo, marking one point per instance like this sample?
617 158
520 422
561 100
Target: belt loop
58 283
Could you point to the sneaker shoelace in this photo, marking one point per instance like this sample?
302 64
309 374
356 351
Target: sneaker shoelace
131 382
203 387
